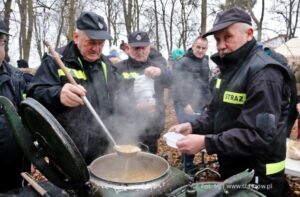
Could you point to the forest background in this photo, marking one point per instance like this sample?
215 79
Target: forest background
170 23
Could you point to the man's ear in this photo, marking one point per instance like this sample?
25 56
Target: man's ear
75 36
250 34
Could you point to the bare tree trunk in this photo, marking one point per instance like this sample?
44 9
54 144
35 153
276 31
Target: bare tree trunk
137 14
109 7
203 16
7 11
26 18
27 44
156 25
168 37
258 22
297 19
127 9
183 23
171 25
112 10
23 20
37 36
71 19
62 23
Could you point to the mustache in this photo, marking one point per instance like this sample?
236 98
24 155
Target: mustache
140 53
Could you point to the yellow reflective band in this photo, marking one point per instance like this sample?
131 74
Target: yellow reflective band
79 74
218 83
234 97
272 168
104 70
24 95
130 75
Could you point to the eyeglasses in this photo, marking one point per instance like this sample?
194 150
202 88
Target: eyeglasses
2 42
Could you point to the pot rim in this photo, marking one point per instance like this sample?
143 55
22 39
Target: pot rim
164 164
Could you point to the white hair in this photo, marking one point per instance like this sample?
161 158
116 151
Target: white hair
243 27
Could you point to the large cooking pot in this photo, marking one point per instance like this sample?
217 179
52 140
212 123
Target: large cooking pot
45 137
140 168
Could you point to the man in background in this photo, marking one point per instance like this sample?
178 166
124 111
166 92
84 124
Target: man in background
142 100
191 87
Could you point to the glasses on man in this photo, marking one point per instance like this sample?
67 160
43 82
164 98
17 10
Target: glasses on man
3 42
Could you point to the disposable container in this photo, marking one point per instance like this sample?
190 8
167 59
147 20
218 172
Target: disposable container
171 138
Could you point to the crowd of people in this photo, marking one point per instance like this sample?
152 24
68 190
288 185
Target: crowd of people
243 114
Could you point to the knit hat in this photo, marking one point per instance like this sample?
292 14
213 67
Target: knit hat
176 54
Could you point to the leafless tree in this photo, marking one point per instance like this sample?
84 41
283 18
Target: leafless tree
127 11
26 27
258 22
289 12
156 25
71 18
248 5
6 18
61 24
203 16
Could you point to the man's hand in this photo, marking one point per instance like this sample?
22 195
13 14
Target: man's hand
70 95
184 128
191 144
152 72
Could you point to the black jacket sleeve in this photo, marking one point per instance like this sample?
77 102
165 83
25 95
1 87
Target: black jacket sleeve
46 85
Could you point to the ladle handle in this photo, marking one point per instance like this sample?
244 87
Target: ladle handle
35 185
57 59
92 110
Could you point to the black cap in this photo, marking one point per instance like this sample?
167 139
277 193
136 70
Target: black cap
3 28
228 17
138 39
93 25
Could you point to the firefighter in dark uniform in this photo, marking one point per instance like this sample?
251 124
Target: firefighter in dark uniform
97 79
12 86
144 116
245 124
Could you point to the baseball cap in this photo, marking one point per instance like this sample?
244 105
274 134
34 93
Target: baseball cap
93 25
3 28
138 39
228 17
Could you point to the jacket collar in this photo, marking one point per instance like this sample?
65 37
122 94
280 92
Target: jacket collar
71 53
137 64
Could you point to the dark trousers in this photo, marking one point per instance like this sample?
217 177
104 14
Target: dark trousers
182 117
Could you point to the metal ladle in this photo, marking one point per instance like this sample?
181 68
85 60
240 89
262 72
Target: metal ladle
127 150
121 149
